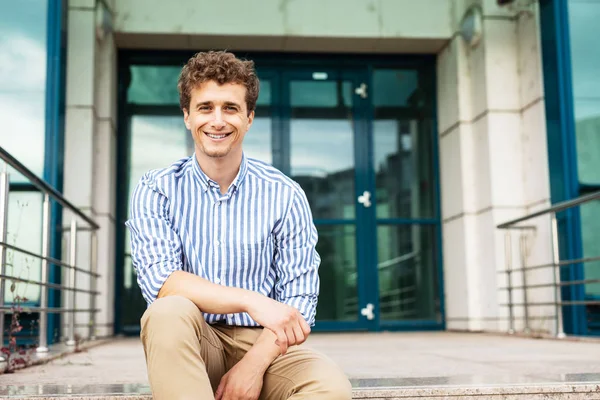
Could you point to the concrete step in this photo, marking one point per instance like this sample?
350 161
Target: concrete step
572 391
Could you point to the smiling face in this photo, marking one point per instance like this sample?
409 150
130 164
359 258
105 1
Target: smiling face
218 119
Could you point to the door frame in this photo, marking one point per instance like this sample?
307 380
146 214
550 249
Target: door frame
268 65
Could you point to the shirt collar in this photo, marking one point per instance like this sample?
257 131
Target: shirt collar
205 181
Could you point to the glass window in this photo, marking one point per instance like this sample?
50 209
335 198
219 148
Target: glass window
23 82
394 87
590 215
585 55
402 147
24 231
156 85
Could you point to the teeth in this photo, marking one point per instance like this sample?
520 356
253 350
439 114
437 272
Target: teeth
216 136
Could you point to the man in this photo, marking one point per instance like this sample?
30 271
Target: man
224 250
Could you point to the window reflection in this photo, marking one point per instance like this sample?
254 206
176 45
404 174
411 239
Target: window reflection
24 231
23 82
407 272
156 85
585 56
157 142
402 146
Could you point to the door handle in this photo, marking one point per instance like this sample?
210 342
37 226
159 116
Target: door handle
368 311
365 199
361 90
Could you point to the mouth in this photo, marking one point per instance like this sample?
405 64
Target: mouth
218 136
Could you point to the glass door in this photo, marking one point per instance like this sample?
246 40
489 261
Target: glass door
404 183
324 133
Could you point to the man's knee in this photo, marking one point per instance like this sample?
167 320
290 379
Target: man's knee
171 312
326 381
336 385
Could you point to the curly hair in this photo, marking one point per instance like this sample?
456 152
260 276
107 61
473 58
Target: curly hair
221 67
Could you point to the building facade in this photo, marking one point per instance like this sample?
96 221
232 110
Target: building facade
415 129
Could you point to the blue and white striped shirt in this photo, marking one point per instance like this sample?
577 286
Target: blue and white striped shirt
259 236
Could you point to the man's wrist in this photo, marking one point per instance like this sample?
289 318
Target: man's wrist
249 300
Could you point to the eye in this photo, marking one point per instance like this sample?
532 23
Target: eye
231 108
204 108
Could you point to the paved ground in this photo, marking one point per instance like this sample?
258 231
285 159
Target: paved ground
411 358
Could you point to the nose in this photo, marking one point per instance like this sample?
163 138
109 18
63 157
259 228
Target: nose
217 122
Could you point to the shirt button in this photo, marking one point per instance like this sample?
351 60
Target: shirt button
217 243
218 203
217 280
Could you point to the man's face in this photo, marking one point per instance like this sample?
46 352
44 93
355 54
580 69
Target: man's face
218 118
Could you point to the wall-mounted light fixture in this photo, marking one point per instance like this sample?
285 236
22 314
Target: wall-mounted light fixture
471 26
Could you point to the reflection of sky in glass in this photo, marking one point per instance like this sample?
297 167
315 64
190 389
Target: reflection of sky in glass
385 140
257 142
320 147
584 31
157 142
23 80
153 85
24 231
319 93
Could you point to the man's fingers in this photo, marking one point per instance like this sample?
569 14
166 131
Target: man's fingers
291 336
220 390
300 337
305 327
282 341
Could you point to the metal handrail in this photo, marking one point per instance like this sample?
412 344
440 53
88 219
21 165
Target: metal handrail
48 285
70 284
556 265
50 260
44 187
558 207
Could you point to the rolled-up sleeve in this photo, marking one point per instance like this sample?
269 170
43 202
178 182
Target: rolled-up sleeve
296 259
155 247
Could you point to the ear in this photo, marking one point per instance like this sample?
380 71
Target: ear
250 119
186 119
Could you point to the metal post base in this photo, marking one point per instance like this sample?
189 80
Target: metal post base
70 342
41 349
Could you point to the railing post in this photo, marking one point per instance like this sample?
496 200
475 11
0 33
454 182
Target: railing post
508 261
4 188
560 333
43 324
93 270
72 281
523 254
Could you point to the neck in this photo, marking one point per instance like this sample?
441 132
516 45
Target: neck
222 170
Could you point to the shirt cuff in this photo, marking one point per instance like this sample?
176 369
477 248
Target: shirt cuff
307 305
153 278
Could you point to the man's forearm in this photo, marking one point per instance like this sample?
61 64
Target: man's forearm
263 352
209 297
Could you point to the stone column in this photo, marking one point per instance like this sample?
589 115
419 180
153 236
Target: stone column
90 154
492 147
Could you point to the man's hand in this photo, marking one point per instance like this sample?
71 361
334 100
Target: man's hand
243 382
284 321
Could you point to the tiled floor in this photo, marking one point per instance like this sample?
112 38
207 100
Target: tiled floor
409 360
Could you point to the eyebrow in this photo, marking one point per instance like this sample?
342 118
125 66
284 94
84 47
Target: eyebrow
209 103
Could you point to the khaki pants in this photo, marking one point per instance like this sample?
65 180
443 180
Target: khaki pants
186 358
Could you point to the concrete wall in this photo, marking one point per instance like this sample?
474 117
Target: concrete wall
494 166
286 25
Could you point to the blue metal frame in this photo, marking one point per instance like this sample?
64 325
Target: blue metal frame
54 138
358 68
562 155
